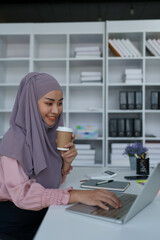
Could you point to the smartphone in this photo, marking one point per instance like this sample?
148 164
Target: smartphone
101 175
110 173
136 177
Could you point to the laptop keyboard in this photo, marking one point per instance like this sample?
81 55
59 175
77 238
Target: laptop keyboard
126 200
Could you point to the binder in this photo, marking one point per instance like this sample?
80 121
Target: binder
129 128
138 100
137 127
123 100
154 100
131 100
121 127
113 128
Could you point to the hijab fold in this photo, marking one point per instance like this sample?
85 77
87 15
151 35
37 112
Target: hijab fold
29 139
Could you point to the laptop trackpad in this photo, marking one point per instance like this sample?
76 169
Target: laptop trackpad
82 208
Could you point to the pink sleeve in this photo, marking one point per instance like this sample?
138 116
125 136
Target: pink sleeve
25 192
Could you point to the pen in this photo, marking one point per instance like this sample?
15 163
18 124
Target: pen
106 181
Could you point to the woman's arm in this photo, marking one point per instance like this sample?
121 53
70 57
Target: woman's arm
25 192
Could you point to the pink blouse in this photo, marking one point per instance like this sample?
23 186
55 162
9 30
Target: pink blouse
16 186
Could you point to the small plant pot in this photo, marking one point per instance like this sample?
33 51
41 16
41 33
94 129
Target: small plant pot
133 163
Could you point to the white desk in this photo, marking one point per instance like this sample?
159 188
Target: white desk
60 224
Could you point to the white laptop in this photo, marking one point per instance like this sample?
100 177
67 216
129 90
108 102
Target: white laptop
132 205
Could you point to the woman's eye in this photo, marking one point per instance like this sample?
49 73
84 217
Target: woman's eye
61 103
49 104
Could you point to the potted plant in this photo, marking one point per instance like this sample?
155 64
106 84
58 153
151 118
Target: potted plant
135 151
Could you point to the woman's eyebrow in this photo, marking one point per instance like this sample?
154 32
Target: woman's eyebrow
51 99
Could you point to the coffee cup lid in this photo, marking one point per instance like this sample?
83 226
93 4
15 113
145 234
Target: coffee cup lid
64 129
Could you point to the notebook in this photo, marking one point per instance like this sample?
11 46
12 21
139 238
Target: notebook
110 185
133 205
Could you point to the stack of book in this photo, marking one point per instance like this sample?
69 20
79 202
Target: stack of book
116 156
133 76
153 152
90 77
87 52
86 155
123 48
153 46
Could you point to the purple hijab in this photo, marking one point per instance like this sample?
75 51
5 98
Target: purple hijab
29 139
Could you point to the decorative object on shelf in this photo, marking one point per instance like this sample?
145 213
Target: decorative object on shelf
135 152
143 166
87 131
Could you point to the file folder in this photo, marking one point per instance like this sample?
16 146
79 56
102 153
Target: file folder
113 128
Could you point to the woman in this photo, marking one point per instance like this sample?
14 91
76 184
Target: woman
31 168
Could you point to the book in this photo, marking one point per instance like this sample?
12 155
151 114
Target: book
113 127
138 99
151 42
114 48
119 145
133 71
133 76
124 48
134 49
91 78
128 48
119 47
137 127
123 99
121 127
87 49
129 128
156 45
131 100
86 74
83 146
86 151
96 53
154 100
83 163
112 186
85 157
151 49
152 145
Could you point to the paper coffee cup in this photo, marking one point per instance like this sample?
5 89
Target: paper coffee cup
64 136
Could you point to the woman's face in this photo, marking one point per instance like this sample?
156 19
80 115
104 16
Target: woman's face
51 106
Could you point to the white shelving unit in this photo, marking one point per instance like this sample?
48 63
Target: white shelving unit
49 47
138 32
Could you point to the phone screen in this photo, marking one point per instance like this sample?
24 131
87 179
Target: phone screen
136 177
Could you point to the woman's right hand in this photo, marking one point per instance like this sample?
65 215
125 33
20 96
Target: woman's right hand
95 198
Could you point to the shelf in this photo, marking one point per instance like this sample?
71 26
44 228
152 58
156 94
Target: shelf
50 48
138 32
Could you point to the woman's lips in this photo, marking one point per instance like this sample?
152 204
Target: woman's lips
52 118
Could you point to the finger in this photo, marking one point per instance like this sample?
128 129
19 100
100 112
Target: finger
73 137
102 205
114 202
110 198
69 145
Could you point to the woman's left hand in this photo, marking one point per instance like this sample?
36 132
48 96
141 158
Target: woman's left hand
69 156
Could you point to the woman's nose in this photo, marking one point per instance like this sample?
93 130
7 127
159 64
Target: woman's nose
54 109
